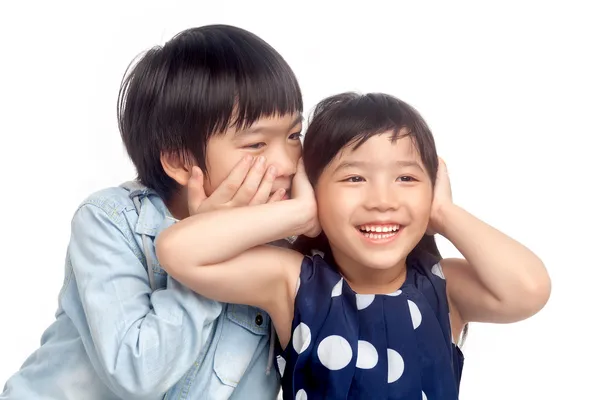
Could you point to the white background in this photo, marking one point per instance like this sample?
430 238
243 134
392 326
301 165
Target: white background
511 92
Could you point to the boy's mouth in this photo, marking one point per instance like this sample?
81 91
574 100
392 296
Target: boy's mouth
379 231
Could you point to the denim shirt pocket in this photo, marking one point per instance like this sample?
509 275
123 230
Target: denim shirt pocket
242 332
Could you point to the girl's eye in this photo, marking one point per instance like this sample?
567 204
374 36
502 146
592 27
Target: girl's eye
255 146
407 179
354 179
296 136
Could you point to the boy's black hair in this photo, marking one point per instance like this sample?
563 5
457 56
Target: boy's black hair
203 80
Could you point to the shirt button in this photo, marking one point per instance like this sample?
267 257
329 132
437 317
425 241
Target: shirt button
259 320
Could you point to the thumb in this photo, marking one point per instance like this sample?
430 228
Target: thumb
195 190
442 168
301 184
443 189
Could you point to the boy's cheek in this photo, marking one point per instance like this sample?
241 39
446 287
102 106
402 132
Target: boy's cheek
208 187
221 158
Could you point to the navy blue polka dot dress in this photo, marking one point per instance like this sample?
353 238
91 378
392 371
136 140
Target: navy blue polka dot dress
359 346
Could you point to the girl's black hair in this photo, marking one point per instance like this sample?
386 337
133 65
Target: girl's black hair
350 119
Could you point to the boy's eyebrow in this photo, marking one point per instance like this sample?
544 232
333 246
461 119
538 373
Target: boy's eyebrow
368 164
259 129
299 119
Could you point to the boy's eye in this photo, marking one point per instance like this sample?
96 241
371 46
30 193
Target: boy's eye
354 179
296 136
255 146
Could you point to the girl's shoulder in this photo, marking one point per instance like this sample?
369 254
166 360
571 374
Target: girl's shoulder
425 266
316 271
425 274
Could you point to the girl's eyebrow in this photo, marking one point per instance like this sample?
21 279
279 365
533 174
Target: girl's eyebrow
370 165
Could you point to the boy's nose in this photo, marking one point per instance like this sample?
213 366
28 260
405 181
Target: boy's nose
286 162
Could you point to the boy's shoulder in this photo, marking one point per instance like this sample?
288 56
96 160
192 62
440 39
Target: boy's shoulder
128 196
134 208
112 200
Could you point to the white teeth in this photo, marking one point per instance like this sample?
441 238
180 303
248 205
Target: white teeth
379 228
378 232
379 235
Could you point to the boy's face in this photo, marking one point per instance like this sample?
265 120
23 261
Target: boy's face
276 138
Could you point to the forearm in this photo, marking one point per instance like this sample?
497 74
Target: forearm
214 237
503 265
133 336
141 356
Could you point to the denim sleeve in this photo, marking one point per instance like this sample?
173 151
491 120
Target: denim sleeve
141 343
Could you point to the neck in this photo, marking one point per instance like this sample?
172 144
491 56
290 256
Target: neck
178 206
366 280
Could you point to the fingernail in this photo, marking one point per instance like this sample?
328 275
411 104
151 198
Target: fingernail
272 170
261 159
248 158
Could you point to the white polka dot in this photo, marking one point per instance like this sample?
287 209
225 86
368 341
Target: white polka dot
424 395
437 270
301 395
334 352
395 365
367 355
415 314
396 293
301 338
450 321
337 289
364 300
281 365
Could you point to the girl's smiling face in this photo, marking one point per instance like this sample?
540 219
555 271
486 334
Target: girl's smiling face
374 202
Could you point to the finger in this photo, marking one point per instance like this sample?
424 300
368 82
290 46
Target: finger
195 190
266 185
277 196
249 187
442 168
300 167
229 187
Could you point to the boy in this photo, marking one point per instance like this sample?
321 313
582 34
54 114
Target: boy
211 97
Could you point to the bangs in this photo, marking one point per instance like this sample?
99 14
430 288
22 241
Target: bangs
350 119
263 93
232 84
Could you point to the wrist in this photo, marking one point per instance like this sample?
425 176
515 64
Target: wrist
442 217
302 215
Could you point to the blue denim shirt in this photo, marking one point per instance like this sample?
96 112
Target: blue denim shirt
116 338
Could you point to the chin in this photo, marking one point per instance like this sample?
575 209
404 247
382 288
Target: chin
381 261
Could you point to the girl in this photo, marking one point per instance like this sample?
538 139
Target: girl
374 313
